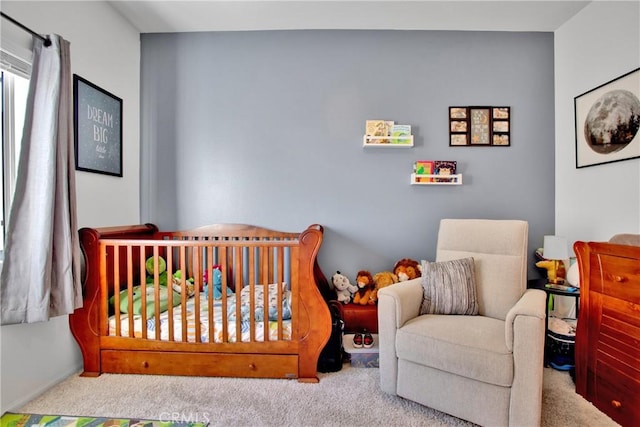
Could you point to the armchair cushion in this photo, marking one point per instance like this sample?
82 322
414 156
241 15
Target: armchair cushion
469 346
449 287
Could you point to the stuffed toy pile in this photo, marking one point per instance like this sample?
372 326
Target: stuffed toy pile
367 285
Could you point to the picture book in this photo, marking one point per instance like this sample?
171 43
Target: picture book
444 167
399 131
423 167
378 128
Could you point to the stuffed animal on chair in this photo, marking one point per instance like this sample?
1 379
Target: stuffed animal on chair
344 288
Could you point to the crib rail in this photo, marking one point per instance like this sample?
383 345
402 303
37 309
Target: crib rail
254 271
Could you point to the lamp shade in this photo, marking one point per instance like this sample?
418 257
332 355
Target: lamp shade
555 247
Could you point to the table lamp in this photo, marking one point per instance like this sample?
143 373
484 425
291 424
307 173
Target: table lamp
555 250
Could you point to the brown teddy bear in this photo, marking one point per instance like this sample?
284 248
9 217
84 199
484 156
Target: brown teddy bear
407 269
382 280
366 286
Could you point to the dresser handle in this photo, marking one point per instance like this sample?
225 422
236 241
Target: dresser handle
619 279
252 366
616 404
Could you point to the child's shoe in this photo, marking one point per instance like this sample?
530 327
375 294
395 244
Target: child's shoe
357 340
367 340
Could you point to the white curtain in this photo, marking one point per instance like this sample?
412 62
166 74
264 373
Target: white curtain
41 273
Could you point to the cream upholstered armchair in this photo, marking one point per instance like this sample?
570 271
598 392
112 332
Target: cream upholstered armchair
485 368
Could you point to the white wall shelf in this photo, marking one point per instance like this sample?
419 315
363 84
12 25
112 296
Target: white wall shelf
432 179
393 141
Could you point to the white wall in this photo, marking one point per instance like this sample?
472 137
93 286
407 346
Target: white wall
105 49
600 43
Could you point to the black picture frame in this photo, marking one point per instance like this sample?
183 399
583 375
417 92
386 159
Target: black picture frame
479 126
604 135
97 122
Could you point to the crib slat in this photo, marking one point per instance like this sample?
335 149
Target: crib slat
170 308
116 284
279 289
142 275
197 268
129 265
210 292
183 296
252 290
238 272
225 316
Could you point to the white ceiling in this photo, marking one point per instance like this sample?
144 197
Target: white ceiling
155 16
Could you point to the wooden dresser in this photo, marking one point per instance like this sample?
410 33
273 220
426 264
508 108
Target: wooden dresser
608 332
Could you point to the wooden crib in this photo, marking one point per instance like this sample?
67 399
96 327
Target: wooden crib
232 300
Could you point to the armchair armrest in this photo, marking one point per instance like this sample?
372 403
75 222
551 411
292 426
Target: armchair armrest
532 303
524 330
405 298
397 304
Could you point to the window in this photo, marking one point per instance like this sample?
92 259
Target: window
14 99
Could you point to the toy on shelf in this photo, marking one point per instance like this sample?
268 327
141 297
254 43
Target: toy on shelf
366 286
407 269
382 280
344 288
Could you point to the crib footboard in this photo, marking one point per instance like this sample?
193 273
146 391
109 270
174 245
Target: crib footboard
221 300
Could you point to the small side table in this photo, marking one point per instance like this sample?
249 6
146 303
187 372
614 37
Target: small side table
541 284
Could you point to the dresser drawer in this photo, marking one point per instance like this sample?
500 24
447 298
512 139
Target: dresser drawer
621 277
617 395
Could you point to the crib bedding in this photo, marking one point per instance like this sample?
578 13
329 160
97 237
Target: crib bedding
162 323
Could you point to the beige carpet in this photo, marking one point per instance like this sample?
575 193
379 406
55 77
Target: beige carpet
350 397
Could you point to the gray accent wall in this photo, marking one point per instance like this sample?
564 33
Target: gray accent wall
266 128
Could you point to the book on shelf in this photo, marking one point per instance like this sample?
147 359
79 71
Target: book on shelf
378 128
445 167
399 134
423 167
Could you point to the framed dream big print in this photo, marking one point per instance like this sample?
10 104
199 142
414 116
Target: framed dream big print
97 129
607 120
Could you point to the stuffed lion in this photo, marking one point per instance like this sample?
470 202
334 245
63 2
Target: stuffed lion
366 286
382 280
407 269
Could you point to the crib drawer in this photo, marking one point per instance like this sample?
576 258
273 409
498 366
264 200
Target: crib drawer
200 364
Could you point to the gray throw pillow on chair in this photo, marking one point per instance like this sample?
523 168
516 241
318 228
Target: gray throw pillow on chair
449 287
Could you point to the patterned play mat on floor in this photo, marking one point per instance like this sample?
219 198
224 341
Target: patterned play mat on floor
34 420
